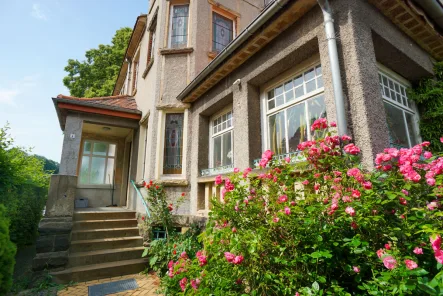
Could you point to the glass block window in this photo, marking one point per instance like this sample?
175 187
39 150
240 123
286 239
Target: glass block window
222 31
97 163
222 140
178 30
291 109
173 144
400 112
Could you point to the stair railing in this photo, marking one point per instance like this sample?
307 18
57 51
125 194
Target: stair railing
139 194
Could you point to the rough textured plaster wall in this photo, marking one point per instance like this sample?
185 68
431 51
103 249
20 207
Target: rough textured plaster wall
71 145
174 77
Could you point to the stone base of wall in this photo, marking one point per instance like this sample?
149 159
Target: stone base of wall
53 243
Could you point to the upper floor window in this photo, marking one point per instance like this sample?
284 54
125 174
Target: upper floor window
151 45
291 107
97 163
134 87
401 114
173 144
222 31
178 28
221 142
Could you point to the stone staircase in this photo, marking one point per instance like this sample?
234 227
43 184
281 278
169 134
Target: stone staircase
103 244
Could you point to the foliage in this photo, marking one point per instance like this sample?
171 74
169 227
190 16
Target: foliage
332 228
50 166
23 189
428 95
7 254
96 76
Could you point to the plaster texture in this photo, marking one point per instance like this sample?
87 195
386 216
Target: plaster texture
71 145
62 190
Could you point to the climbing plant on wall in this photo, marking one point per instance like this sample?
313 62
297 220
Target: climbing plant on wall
428 95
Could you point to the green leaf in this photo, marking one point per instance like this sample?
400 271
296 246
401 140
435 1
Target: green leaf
145 252
428 289
315 286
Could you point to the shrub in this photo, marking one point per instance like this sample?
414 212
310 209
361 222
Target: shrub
331 228
7 254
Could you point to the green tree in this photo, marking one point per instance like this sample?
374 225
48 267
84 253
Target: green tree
96 76
50 166
7 254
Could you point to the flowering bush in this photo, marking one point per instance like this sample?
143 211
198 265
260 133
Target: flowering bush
332 228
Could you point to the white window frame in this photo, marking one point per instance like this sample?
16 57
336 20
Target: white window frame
266 141
161 144
225 15
171 8
91 155
409 107
213 135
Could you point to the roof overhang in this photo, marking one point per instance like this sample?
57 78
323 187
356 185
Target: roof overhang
137 34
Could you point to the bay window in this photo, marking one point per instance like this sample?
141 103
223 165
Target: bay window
290 109
173 144
178 26
401 114
222 31
97 163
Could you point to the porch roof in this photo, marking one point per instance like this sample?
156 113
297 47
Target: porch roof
122 106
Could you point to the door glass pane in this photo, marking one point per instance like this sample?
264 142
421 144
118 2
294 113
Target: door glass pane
99 149
84 170
172 160
396 126
110 171
316 109
217 151
227 150
277 133
222 32
87 147
97 170
297 131
111 151
413 133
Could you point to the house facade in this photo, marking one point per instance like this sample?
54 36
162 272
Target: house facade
207 86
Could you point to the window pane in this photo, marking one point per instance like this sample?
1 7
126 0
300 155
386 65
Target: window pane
396 126
99 149
310 86
299 91
97 170
297 131
217 152
172 159
412 128
110 171
279 100
227 150
298 80
271 104
222 32
316 109
277 133
309 75
179 23
84 170
87 147
320 82
111 151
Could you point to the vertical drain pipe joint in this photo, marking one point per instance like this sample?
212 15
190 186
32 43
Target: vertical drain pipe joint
335 67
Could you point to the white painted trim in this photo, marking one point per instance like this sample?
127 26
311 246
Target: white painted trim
225 110
91 155
393 75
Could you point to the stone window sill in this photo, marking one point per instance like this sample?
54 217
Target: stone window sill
171 51
148 67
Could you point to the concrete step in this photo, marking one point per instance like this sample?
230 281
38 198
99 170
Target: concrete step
105 243
104 224
104 233
103 215
99 271
103 256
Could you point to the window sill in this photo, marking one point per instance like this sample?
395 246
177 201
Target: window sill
148 67
217 171
212 54
172 182
91 186
171 51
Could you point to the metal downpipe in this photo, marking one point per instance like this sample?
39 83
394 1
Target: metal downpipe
335 67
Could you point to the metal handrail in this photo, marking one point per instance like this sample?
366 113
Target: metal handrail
141 197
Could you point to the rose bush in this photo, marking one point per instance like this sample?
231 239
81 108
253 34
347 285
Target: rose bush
330 228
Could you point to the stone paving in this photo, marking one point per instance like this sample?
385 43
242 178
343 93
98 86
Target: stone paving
147 285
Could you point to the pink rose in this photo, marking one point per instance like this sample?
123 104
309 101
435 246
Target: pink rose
292 203
430 181
405 192
367 185
439 256
236 170
288 159
195 283
316 186
234 230
183 283
287 211
427 155
389 262
387 246
333 124
282 198
351 149
354 225
380 253
218 180
305 182
356 269
184 255
276 219
411 264
238 259
403 201
229 256
350 211
441 139
346 138
435 242
418 251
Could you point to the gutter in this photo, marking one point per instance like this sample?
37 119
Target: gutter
434 9
253 27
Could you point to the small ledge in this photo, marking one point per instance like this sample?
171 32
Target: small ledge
148 67
169 51
177 105
212 54
172 182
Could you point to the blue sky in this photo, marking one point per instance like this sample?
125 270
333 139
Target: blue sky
37 39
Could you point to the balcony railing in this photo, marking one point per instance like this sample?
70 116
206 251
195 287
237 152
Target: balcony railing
294 156
218 170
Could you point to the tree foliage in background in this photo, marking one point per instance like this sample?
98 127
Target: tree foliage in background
50 166
7 253
428 96
96 76
23 189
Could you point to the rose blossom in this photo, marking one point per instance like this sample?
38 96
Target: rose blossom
439 256
229 256
389 262
354 225
387 246
195 283
305 182
356 269
405 192
287 211
435 242
183 283
427 154
350 211
282 198
276 219
418 251
236 170
351 149
218 180
430 181
411 264
380 253
238 259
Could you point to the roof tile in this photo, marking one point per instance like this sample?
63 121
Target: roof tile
120 101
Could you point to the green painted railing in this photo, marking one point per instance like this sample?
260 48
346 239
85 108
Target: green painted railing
142 199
